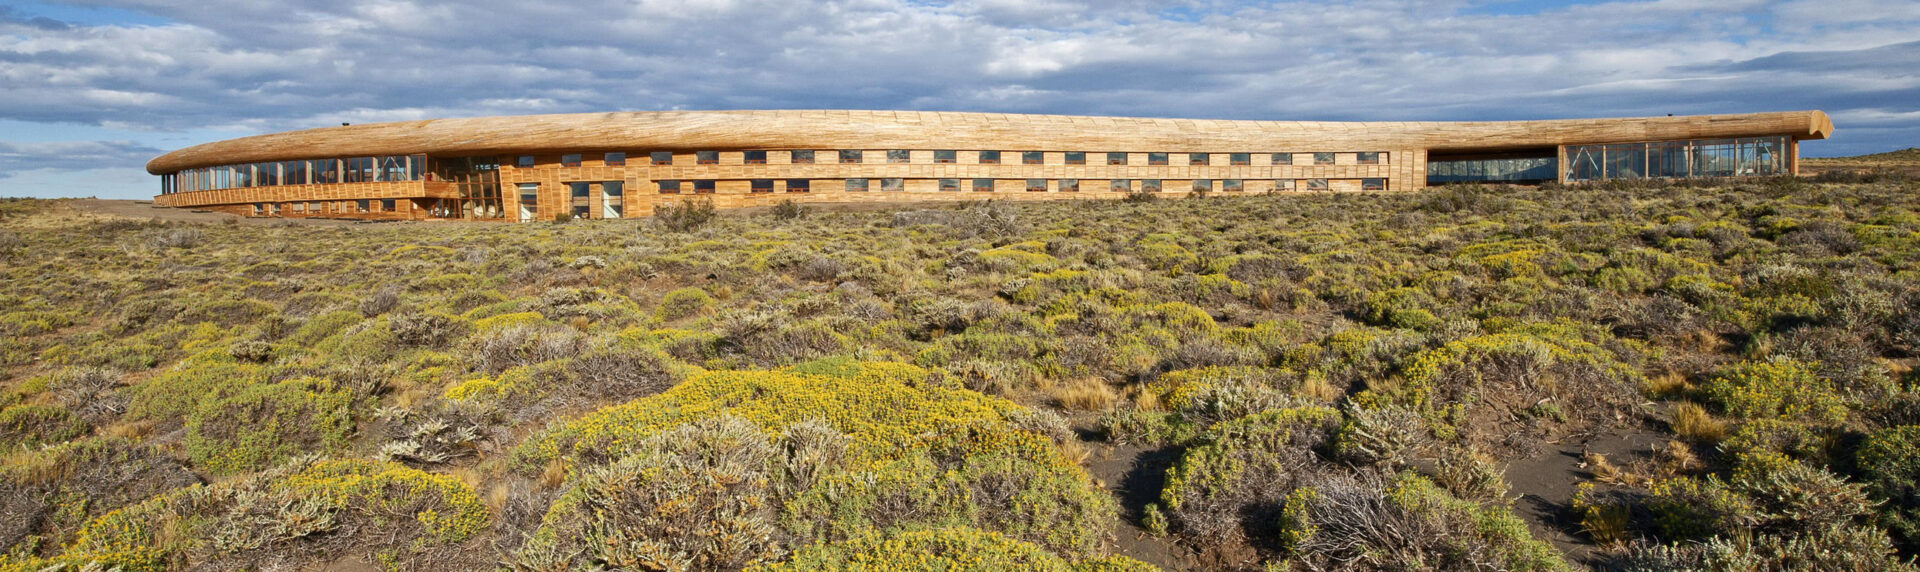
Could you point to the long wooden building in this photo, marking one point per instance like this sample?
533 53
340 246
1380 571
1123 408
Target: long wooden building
620 165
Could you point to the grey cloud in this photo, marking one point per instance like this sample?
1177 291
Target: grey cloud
70 155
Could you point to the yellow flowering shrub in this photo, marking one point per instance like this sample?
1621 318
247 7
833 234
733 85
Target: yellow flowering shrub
304 497
1777 389
955 549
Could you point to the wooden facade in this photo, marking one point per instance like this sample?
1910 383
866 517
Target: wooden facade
747 158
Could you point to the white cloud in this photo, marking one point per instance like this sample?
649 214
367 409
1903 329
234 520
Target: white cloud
241 65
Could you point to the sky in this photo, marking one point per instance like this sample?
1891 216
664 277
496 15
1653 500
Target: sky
91 90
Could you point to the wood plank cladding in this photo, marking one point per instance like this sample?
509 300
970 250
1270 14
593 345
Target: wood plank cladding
916 130
747 158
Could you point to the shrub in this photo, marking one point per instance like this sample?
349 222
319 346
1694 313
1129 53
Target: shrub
788 210
1692 421
262 425
1889 464
1235 478
683 303
1407 523
957 549
285 509
1780 388
688 217
31 426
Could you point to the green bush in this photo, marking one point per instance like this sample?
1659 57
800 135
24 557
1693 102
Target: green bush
683 303
944 550
31 426
1236 476
1889 464
1776 389
262 425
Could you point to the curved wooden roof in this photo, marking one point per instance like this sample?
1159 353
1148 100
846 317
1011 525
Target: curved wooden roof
844 129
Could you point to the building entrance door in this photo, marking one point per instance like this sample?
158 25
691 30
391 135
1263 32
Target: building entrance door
529 201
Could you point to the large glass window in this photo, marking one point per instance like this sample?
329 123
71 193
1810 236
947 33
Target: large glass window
1240 159
524 161
393 168
850 156
1756 156
579 190
1120 186
1283 158
944 156
1509 169
893 185
1150 185
1199 159
983 185
799 186
703 187
756 157
899 156
1234 185
1036 185
1116 158
1076 158
661 157
614 159
1032 158
1069 185
706 157
1157 158
1373 184
989 157
1202 186
1323 158
949 185
856 185
668 187
761 186
801 157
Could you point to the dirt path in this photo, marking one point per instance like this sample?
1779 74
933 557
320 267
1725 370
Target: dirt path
1546 484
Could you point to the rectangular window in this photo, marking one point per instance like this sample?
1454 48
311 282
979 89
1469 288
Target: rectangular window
1316 184
801 157
1150 185
899 156
1116 158
1368 158
1234 185
1120 186
579 190
1202 186
983 185
570 160
258 208
989 157
893 185
949 185
524 161
706 157
856 185
1033 158
1036 185
1283 158
1069 185
1283 184
799 185
361 205
386 205
669 187
704 187
1076 158
1323 158
1240 159
359 170
1199 159
661 157
850 156
761 186
756 157
1373 184
269 173
1156 158
393 168
943 156
613 188
299 207
614 159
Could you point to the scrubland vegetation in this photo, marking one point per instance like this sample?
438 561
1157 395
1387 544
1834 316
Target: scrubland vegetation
1329 381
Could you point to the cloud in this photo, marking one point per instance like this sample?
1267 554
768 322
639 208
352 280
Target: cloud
70 155
241 65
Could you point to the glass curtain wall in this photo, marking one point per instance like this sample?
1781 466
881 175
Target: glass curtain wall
1743 157
1510 170
478 181
391 168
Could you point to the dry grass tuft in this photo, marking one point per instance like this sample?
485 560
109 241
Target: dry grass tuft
1692 421
1084 394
